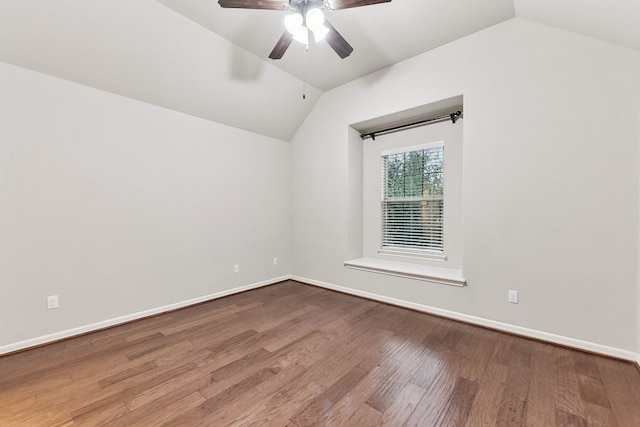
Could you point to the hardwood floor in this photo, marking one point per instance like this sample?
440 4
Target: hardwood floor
296 355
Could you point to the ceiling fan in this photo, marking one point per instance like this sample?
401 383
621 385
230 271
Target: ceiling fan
304 16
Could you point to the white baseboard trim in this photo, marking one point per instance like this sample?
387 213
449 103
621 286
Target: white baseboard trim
57 336
517 330
479 321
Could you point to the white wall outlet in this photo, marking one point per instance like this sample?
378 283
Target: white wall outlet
52 302
513 297
236 268
275 261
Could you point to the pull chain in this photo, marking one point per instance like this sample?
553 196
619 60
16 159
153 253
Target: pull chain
304 66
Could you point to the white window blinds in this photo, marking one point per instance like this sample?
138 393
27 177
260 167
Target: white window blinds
413 199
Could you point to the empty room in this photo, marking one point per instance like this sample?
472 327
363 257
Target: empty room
319 213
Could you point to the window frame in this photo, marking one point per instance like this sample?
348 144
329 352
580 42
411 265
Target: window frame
411 251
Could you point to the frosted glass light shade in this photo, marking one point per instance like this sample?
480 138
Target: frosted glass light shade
293 22
302 35
315 19
315 22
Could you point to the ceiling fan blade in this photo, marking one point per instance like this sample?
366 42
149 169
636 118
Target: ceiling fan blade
337 42
253 4
281 46
346 4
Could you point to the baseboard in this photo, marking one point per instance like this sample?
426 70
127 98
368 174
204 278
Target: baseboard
479 321
513 329
46 339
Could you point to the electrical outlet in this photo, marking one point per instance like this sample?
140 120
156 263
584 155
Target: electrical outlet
52 302
236 268
275 261
513 297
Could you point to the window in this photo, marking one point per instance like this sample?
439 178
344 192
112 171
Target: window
413 199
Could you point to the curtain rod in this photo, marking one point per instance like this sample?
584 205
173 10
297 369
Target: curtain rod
452 116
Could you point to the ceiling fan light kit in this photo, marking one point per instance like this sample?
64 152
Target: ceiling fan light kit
315 22
294 23
299 27
305 15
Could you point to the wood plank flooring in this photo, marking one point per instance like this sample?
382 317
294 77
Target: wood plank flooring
296 355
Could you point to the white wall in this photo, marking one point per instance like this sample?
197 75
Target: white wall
120 207
550 181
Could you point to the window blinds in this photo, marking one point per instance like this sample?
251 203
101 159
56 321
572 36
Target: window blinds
413 199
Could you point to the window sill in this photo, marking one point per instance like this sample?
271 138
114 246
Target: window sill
444 276
414 255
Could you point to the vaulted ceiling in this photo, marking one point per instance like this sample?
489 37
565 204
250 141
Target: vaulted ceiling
195 57
381 34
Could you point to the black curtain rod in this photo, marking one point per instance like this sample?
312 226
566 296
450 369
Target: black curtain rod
452 116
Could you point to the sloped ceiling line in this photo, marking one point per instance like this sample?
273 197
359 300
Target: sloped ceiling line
195 57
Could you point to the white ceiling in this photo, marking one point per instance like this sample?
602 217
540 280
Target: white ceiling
381 34
195 57
616 21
